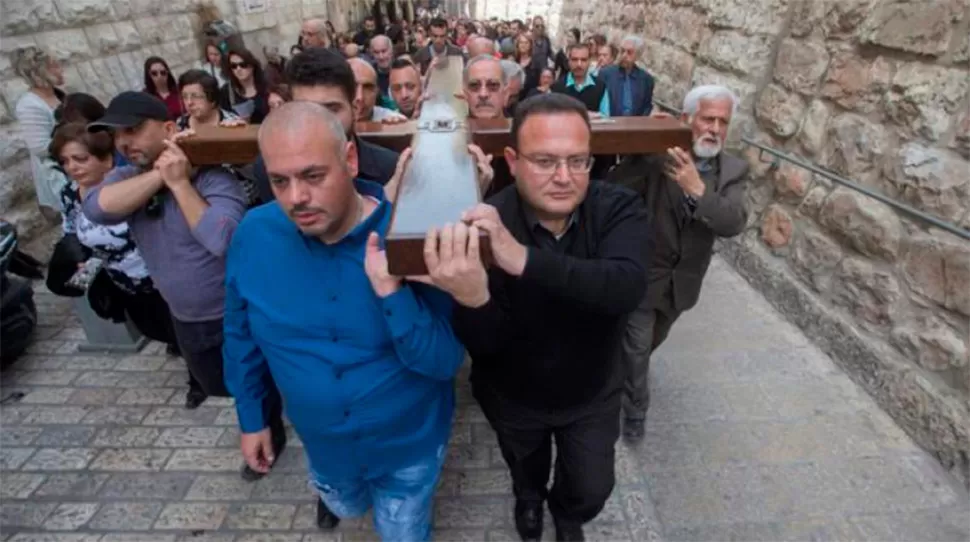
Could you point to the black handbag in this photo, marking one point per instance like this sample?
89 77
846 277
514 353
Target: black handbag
68 254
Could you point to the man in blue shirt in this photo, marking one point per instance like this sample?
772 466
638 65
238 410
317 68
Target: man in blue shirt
629 86
364 361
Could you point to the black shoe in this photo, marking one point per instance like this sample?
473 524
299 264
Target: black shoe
326 519
568 531
528 519
633 429
172 350
279 444
194 398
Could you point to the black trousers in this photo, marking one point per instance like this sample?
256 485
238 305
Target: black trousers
149 313
201 346
584 466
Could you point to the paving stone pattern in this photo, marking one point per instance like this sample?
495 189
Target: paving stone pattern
753 435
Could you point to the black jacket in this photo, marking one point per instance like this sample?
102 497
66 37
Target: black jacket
548 338
683 240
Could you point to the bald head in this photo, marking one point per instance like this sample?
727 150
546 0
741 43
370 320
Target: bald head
295 120
366 97
479 45
382 50
314 33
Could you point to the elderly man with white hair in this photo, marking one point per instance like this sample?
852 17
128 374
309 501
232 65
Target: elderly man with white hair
629 86
516 80
314 33
695 196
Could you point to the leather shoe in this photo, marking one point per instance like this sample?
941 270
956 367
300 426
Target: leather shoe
633 429
194 398
325 518
568 531
279 444
528 519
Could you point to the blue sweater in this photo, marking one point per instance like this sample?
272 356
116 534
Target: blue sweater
367 382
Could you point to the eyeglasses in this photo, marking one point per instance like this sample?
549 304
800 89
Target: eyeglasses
238 65
194 97
548 165
491 85
158 73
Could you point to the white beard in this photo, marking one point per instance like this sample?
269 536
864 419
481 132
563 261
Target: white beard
705 148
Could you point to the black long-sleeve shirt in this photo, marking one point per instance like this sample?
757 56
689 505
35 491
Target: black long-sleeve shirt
549 338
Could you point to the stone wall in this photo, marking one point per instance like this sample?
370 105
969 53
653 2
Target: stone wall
103 44
874 90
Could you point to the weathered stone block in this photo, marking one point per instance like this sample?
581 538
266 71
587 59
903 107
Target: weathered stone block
776 227
704 75
856 148
816 120
766 17
791 182
800 65
150 30
867 291
813 201
934 180
814 257
722 52
870 227
67 45
127 35
924 98
931 343
78 12
915 27
961 137
829 18
937 266
780 111
962 54
103 38
21 16
12 90
16 179
855 83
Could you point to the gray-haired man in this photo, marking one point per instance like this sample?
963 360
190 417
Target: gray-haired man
694 195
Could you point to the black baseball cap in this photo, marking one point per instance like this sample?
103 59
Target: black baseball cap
130 108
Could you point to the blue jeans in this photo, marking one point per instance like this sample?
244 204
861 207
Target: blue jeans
402 499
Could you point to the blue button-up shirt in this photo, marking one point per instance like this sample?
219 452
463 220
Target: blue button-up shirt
604 109
366 381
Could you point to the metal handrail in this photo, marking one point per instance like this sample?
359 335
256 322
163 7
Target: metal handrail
848 183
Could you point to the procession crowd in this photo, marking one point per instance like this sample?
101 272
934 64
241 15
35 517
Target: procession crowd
271 280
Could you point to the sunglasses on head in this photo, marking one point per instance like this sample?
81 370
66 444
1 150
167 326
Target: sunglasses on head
158 73
238 65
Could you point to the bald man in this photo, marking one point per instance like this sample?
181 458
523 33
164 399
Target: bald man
479 45
375 417
313 33
365 101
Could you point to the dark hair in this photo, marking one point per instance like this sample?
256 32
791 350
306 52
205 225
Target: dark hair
259 77
578 45
283 91
79 107
613 50
321 67
598 39
438 22
401 63
209 84
550 103
100 143
370 18
149 84
575 32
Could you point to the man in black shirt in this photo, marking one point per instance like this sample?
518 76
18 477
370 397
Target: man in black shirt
323 76
544 329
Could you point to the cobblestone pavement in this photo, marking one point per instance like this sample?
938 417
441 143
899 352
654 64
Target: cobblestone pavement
753 435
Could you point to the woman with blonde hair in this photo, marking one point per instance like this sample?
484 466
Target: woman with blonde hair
35 115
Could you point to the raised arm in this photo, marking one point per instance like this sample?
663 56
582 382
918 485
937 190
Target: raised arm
123 192
217 203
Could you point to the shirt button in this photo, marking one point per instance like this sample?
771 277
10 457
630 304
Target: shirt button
387 312
338 374
346 414
333 297
333 339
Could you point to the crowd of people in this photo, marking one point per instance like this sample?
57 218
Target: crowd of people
271 281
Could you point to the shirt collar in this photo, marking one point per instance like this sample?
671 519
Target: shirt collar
571 82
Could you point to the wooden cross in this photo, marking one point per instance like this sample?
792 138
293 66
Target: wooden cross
620 135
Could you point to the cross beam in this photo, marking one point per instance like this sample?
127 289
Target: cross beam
621 135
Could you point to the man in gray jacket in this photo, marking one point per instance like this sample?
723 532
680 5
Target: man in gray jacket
694 195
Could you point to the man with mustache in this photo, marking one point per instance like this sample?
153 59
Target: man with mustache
694 196
485 87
